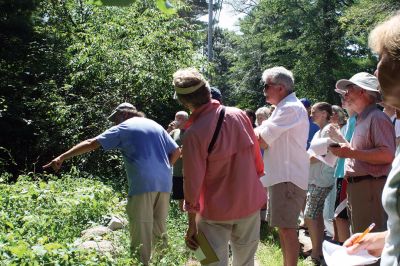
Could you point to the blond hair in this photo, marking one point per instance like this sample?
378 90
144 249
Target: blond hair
386 37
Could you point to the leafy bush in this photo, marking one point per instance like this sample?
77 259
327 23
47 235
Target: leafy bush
65 65
41 223
39 220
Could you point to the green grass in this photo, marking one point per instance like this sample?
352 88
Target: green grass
269 252
41 220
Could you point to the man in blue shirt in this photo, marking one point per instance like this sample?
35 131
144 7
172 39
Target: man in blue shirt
313 127
148 152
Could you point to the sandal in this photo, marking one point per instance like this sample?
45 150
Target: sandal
318 261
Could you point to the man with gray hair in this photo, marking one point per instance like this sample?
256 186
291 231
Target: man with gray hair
370 153
284 136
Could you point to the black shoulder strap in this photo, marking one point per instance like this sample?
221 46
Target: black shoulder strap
217 129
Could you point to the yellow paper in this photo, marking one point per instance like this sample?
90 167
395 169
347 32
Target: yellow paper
206 249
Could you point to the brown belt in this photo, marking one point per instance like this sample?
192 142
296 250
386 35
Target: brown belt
356 179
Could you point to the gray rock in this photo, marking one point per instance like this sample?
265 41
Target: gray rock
101 246
95 231
116 223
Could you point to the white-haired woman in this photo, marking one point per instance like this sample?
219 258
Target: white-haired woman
262 114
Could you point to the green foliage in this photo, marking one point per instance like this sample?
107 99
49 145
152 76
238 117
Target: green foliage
225 55
320 41
69 64
302 36
357 22
166 7
41 223
40 220
360 18
111 2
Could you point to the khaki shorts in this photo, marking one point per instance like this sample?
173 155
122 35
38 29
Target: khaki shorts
285 201
365 205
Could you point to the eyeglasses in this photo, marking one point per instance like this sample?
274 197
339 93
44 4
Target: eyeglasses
351 88
267 86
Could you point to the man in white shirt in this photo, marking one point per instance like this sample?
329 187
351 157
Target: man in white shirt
284 135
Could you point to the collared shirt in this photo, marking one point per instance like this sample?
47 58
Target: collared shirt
373 130
286 133
225 184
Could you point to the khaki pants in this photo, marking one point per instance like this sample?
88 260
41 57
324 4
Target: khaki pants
365 205
243 235
147 213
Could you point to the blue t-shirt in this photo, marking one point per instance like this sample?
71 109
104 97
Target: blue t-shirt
145 146
311 132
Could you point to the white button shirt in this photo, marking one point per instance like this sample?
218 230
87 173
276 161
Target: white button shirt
286 133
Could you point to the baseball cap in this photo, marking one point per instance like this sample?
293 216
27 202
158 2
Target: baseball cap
306 102
216 94
121 107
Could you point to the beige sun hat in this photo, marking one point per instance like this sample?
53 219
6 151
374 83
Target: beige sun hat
363 80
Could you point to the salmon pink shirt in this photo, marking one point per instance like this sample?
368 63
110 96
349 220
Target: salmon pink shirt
223 185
